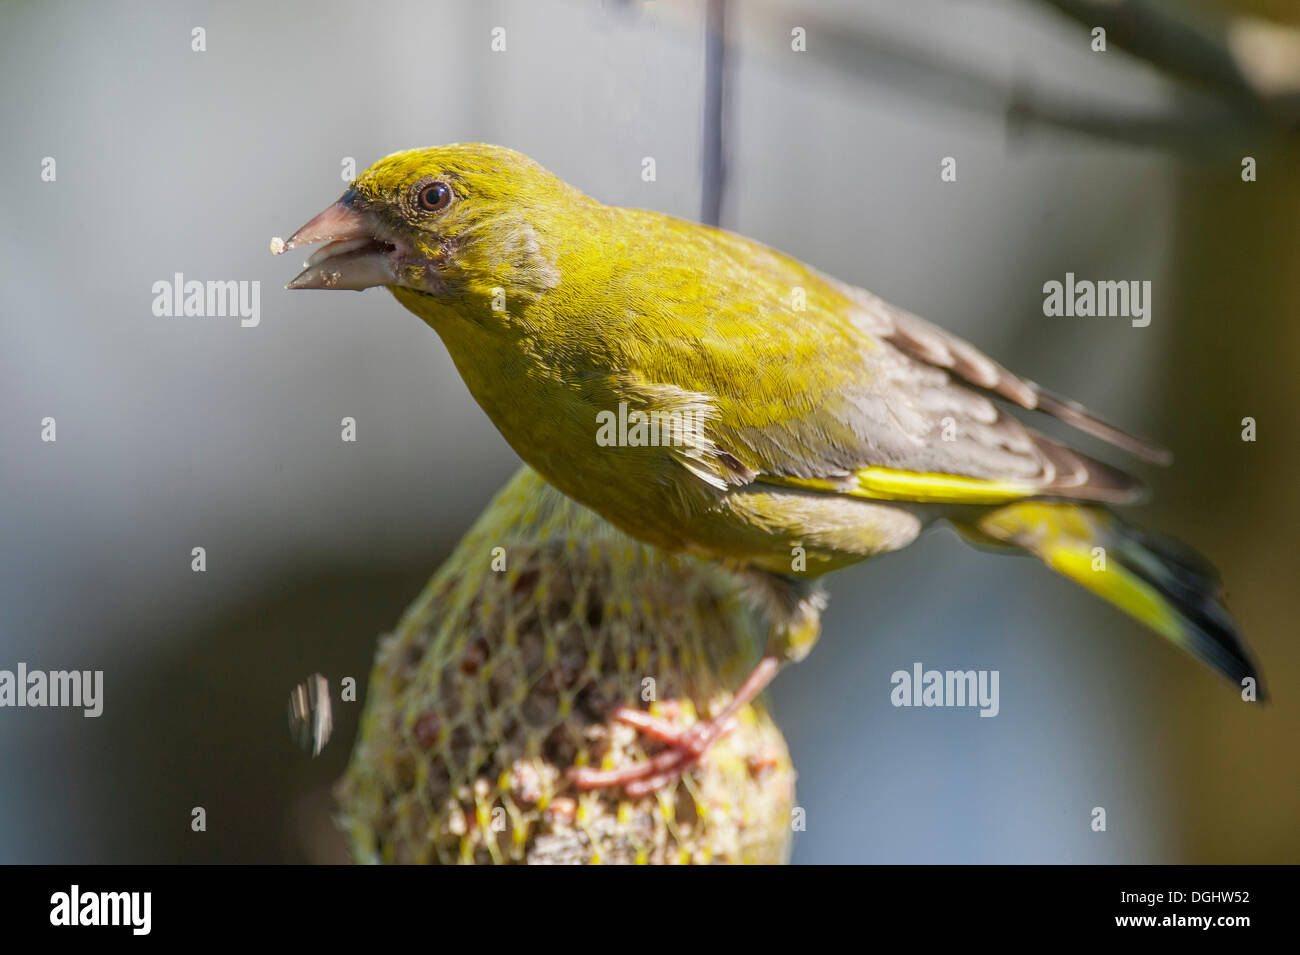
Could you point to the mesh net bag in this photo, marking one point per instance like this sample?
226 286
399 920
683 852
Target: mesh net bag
501 676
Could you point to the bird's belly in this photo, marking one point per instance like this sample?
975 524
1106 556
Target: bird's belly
653 498
801 534
640 490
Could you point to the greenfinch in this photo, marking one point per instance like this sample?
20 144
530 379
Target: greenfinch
709 395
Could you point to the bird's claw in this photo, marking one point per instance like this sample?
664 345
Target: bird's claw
686 747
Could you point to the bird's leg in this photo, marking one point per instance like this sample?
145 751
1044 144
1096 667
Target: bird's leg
686 745
654 727
794 608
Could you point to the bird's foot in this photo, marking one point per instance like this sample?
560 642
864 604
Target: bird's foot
686 746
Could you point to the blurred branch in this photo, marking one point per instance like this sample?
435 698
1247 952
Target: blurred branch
1249 61
1167 41
1242 74
1198 125
1202 129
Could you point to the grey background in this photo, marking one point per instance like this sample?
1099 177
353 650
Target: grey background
177 432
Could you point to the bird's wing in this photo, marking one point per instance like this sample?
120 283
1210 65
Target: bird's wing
897 409
934 346
911 432
842 392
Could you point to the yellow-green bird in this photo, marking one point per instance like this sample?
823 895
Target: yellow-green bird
710 395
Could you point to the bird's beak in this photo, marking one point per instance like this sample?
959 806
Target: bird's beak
356 255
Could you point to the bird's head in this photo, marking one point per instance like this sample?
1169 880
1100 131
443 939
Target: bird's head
450 222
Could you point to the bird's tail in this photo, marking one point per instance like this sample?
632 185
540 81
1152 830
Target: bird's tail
1153 579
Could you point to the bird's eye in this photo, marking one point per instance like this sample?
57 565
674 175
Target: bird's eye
434 197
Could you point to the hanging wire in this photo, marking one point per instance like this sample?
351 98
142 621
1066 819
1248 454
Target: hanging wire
715 53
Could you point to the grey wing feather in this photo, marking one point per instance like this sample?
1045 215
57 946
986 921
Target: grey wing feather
912 409
932 345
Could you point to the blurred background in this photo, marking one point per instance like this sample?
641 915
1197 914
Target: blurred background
174 433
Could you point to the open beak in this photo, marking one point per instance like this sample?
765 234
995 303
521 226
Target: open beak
356 255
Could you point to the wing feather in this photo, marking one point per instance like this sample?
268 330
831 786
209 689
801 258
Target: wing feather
916 422
931 344
843 392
